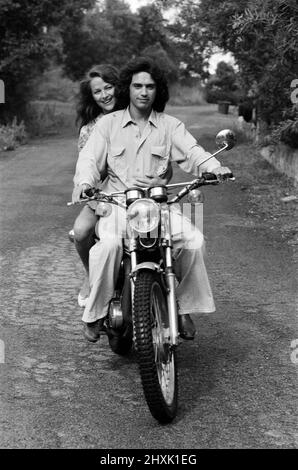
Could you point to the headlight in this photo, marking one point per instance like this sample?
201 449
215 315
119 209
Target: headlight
143 215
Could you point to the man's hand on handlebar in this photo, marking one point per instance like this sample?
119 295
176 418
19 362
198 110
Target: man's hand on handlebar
79 192
222 172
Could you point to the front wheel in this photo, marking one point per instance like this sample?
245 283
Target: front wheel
156 356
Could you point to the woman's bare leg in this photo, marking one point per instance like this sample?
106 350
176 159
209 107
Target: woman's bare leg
84 230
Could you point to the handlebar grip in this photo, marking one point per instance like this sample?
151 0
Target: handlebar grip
90 192
213 177
209 176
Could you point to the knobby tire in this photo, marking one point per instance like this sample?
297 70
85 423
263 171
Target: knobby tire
163 406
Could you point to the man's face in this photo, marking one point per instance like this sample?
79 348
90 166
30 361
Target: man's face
142 91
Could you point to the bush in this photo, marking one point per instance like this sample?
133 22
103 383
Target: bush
214 95
12 135
287 131
223 85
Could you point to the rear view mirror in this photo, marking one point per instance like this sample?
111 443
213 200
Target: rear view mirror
225 138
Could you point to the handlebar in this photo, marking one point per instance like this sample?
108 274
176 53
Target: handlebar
205 179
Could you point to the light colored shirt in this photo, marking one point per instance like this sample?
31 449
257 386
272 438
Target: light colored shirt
86 131
117 148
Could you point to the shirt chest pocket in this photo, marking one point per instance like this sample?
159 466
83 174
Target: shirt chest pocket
160 159
117 160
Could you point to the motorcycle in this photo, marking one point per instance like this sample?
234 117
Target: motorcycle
143 312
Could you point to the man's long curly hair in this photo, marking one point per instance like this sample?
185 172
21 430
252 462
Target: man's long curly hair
87 108
144 64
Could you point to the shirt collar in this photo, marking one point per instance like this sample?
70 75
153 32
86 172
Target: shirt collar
127 119
153 118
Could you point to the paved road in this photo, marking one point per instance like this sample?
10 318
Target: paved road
238 384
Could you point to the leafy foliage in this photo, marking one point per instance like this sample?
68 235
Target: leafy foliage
112 33
27 42
190 40
223 86
160 56
287 130
12 135
109 33
152 27
272 30
263 37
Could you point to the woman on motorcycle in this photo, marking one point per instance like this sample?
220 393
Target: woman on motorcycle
97 97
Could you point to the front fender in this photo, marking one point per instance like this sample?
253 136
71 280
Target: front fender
146 265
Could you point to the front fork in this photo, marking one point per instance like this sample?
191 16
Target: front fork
133 260
167 243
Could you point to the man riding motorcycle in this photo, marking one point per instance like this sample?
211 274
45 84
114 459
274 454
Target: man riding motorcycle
135 147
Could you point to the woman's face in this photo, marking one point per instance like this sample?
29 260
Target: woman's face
103 94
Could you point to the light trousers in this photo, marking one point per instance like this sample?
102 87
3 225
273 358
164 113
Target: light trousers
194 293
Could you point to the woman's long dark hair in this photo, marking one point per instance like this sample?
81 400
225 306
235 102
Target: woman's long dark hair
144 64
87 108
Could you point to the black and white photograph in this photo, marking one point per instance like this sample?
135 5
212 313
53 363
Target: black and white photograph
149 229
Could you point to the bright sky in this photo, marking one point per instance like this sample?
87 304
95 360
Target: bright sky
217 57
135 4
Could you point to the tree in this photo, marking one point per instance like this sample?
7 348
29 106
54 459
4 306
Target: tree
27 43
200 27
153 28
262 36
270 30
112 33
161 57
223 84
155 40
109 33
